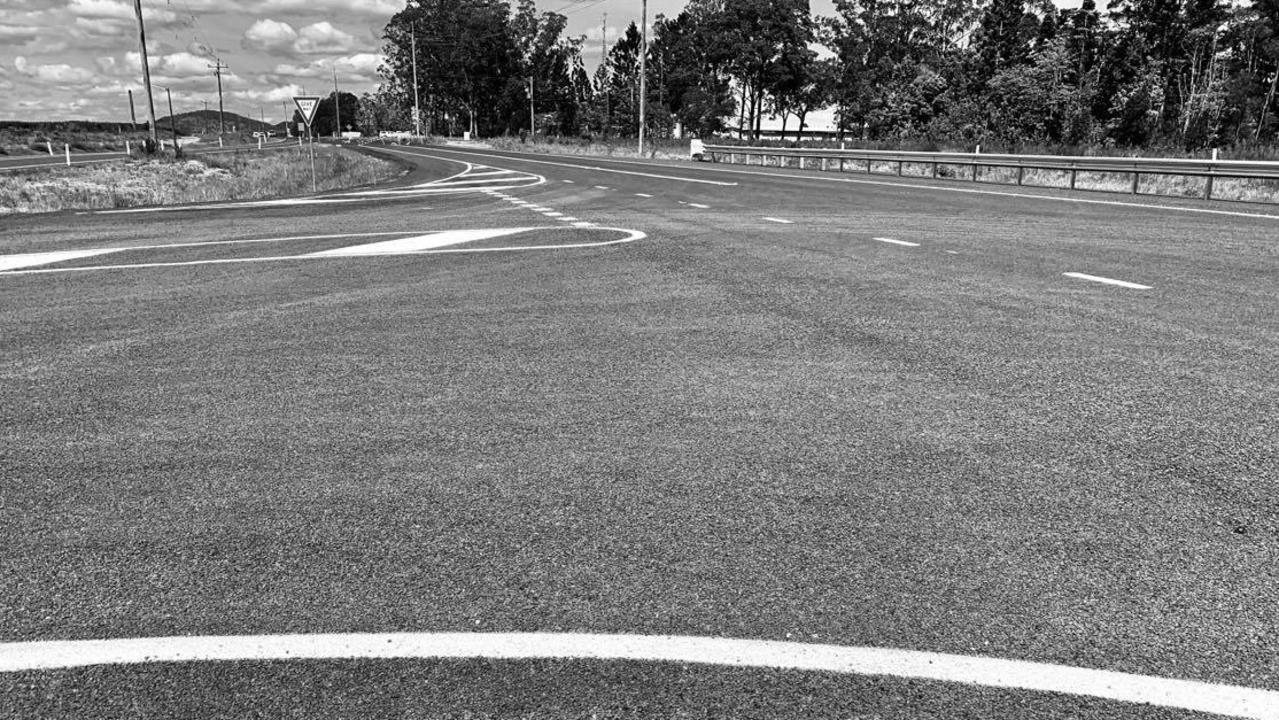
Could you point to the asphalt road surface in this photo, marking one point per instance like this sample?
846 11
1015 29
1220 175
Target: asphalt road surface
952 450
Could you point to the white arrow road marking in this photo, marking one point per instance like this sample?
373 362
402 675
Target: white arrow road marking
420 242
1228 700
12 262
1108 281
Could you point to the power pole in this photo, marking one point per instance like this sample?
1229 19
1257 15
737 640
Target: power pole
146 73
288 117
417 109
604 40
217 70
133 116
643 100
337 104
173 125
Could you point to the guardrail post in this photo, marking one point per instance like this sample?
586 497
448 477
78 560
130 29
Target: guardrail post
934 171
869 162
1208 185
1021 173
1074 175
801 162
1136 182
899 168
974 171
823 164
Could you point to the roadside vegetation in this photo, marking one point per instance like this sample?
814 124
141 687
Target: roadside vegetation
243 175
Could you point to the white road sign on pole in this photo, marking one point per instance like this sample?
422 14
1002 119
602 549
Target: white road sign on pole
307 105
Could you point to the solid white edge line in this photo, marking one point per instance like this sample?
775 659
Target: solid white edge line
1108 281
895 242
631 236
1235 701
780 221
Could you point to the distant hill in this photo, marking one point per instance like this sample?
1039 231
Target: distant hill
205 122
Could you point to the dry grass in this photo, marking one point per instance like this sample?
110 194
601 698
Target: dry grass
233 176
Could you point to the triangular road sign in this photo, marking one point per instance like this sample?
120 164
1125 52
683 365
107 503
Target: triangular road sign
307 105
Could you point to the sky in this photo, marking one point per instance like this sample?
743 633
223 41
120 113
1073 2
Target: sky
77 59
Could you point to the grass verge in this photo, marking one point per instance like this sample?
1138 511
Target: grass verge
243 175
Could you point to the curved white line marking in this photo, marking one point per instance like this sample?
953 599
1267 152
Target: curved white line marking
989 672
1107 281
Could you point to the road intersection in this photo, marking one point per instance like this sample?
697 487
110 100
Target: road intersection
598 399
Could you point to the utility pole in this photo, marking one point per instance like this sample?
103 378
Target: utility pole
532 114
146 73
337 104
417 109
217 70
604 40
173 125
288 117
643 100
133 116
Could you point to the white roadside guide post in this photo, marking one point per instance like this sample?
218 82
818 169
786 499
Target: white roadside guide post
307 106
68 149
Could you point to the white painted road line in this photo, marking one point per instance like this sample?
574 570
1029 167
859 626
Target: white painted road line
419 243
13 262
779 221
1108 281
523 158
1229 700
895 242
602 187
643 195
630 236
699 206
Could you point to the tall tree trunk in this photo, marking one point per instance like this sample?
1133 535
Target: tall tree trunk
1265 109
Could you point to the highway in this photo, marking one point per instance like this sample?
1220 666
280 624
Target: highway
952 450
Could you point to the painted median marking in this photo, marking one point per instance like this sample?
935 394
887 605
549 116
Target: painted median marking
1229 700
14 262
1108 281
423 244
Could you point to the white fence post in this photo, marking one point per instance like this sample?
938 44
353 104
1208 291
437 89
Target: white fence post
67 148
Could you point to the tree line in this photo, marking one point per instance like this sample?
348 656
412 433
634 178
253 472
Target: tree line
1010 73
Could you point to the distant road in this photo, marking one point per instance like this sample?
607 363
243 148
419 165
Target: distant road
31 162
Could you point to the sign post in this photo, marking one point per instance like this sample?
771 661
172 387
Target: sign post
306 106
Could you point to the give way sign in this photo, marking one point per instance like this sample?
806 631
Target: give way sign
307 105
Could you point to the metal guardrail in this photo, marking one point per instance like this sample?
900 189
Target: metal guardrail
826 159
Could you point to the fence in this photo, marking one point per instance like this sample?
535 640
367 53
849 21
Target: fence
828 159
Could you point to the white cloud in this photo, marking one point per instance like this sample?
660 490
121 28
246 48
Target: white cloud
112 10
280 93
269 36
17 34
322 37
358 68
61 74
348 8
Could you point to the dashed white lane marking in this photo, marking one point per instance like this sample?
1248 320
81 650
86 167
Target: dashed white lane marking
700 206
951 252
1108 281
779 221
13 262
895 242
419 243
583 224
643 195
602 187
1229 700
554 214
568 219
569 182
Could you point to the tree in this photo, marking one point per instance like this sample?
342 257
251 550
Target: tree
325 122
